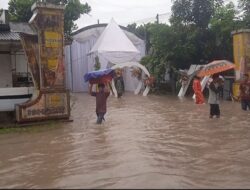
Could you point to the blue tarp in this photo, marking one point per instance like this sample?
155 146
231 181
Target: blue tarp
98 74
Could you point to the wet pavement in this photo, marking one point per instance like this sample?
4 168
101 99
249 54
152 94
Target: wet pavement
145 142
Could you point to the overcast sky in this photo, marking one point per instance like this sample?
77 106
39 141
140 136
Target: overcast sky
124 12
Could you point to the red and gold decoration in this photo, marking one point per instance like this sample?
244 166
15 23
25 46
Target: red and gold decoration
241 52
46 61
136 72
149 81
118 72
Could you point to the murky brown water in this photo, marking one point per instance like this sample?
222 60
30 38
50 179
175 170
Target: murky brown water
146 142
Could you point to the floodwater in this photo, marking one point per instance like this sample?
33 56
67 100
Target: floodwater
145 142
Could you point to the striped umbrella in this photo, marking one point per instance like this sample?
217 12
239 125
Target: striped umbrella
214 67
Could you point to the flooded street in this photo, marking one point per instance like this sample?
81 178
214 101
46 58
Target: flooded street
145 142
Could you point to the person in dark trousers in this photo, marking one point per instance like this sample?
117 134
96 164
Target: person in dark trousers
213 99
101 101
245 93
119 84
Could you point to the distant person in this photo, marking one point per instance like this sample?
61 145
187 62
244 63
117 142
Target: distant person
184 80
245 92
119 83
101 101
173 79
221 86
199 98
214 86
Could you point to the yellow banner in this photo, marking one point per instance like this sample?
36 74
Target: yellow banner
52 64
53 39
54 100
238 49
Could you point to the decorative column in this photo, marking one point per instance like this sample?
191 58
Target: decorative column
241 48
45 54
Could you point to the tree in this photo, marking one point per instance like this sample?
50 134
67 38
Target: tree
20 11
221 26
202 11
198 12
181 12
142 32
73 11
193 27
199 33
245 6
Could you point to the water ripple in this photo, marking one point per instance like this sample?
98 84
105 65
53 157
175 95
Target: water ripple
145 142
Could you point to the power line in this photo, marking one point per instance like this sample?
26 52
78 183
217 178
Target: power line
159 18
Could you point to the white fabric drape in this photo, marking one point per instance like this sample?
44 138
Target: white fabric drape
79 61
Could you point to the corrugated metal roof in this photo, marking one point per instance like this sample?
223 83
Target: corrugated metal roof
9 36
22 27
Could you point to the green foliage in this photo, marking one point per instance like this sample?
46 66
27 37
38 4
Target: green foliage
221 26
202 11
245 7
142 32
181 12
20 11
198 12
204 33
156 63
73 11
200 32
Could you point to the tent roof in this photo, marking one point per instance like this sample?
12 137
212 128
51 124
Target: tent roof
96 30
113 39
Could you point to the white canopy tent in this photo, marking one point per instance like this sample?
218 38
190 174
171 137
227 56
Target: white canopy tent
115 50
79 61
114 46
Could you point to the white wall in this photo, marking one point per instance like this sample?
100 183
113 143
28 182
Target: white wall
130 83
10 63
67 66
5 71
19 62
81 64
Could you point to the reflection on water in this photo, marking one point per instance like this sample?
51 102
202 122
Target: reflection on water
146 142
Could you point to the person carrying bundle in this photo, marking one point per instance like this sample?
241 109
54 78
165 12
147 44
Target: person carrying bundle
101 100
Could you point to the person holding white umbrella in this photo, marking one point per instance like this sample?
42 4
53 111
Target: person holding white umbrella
214 87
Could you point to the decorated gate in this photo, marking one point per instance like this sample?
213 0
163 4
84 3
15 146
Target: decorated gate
46 61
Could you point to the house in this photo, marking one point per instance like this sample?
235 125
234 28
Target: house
16 84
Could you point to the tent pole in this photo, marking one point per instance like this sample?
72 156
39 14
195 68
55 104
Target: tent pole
71 68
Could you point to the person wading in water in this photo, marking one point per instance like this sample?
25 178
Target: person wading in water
101 100
119 83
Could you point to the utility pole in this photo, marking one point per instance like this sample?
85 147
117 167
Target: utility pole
145 39
157 18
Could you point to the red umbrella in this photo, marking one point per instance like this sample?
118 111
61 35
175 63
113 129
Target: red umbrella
215 67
